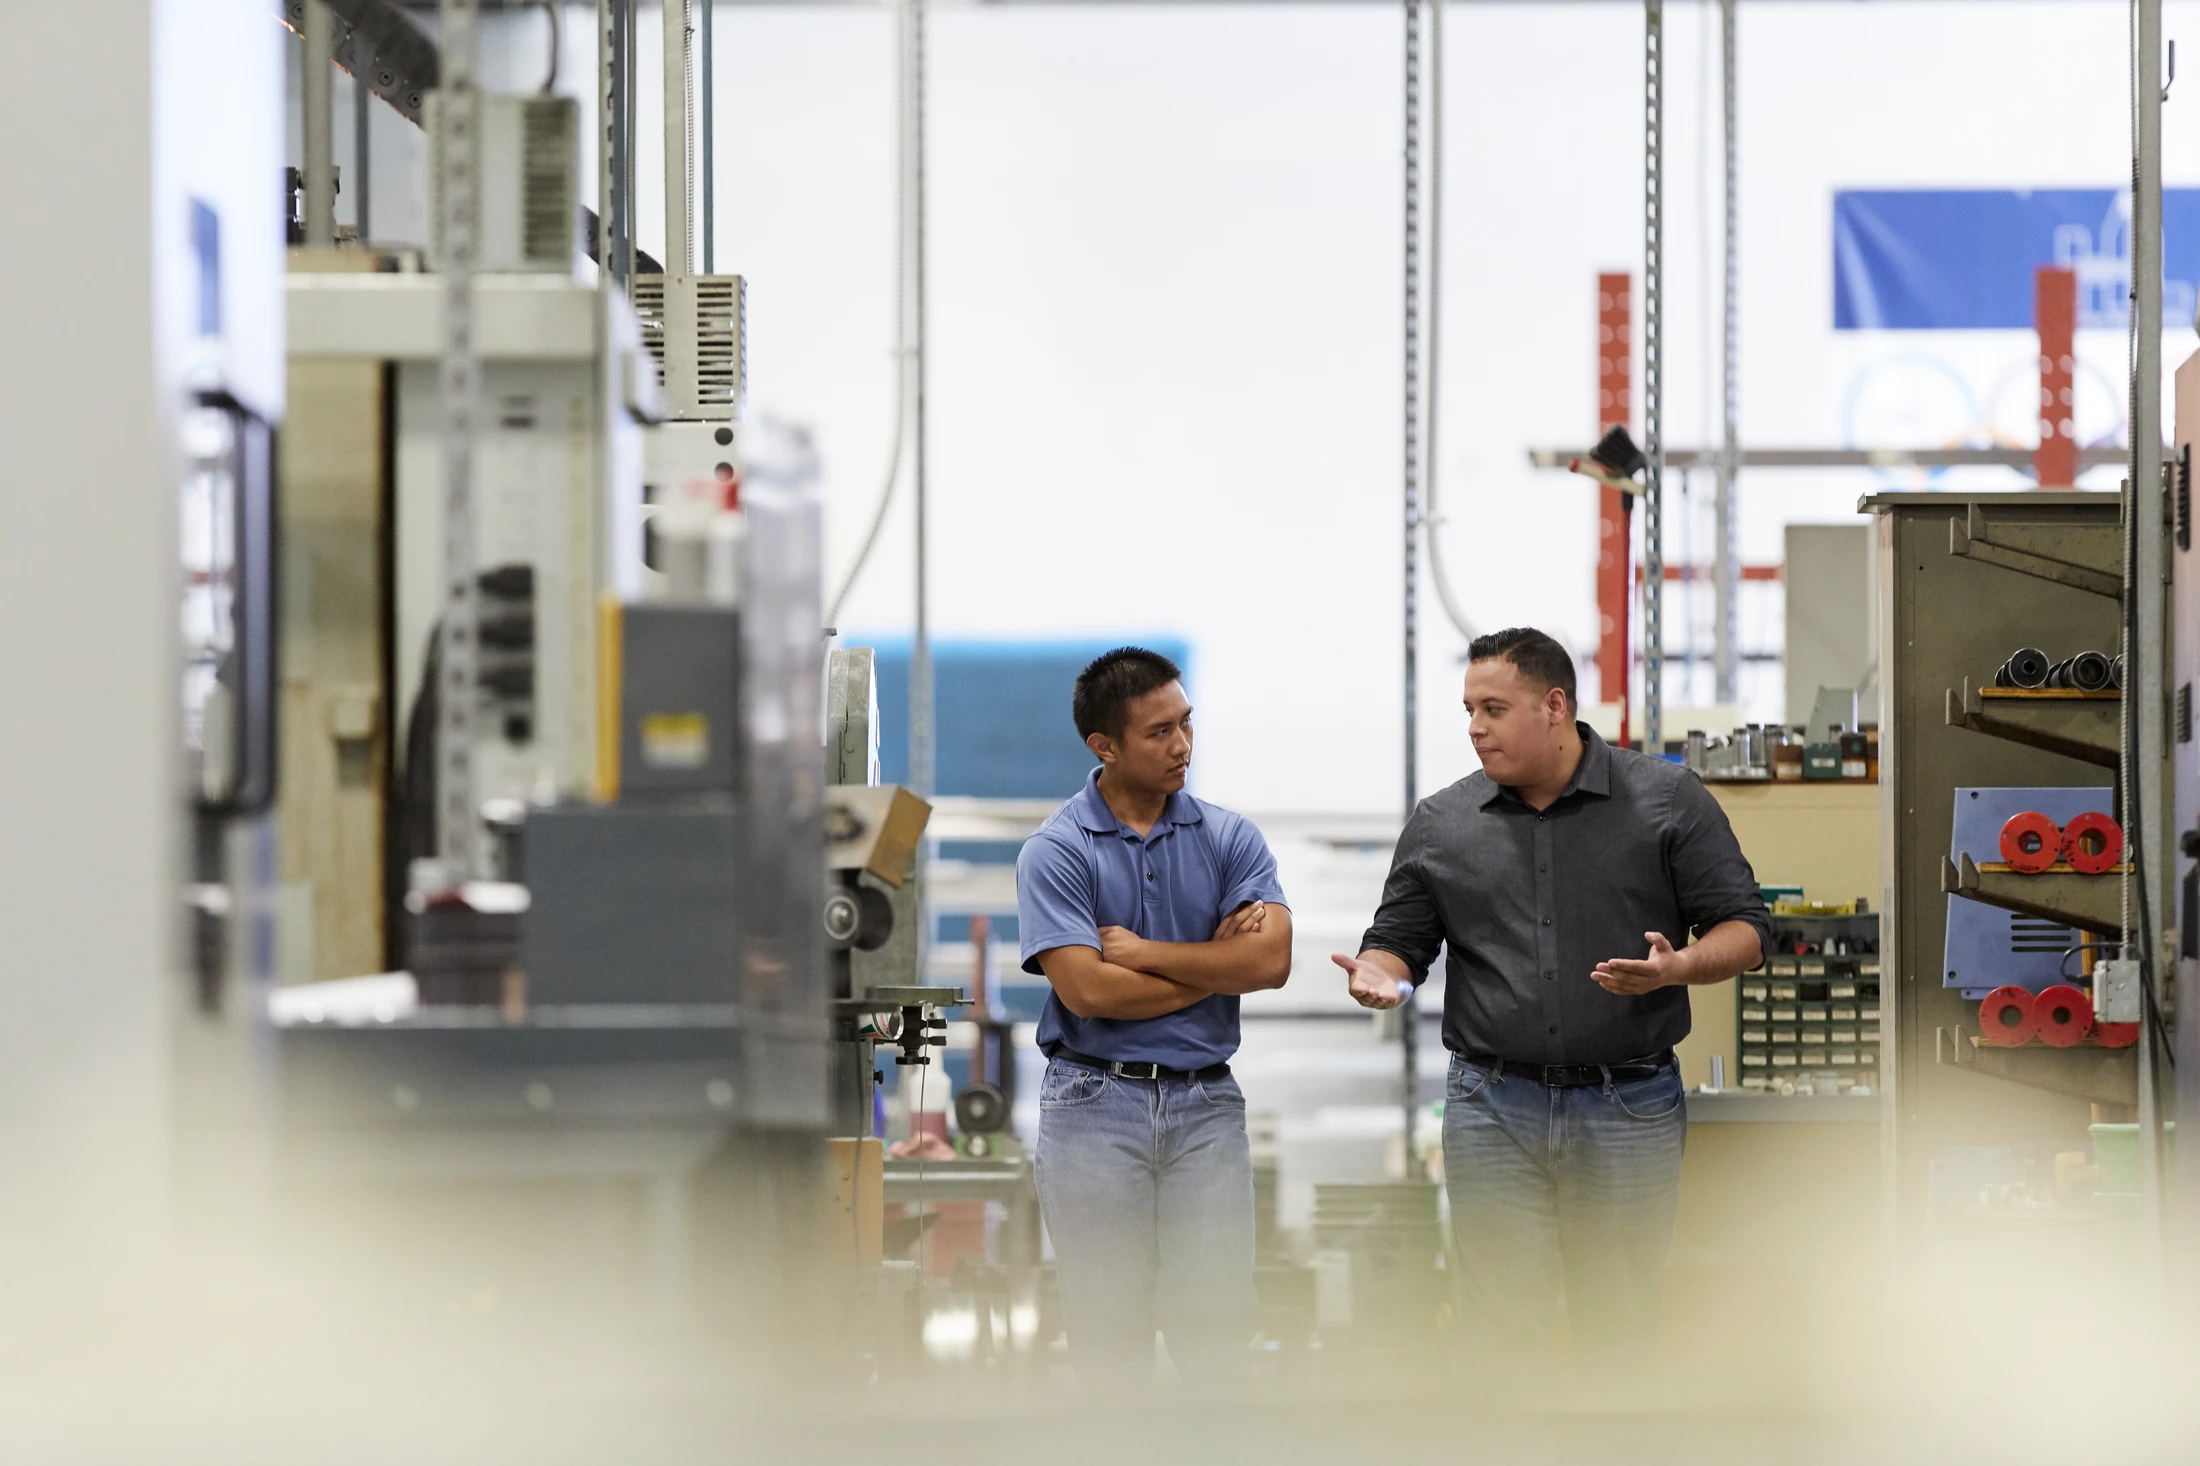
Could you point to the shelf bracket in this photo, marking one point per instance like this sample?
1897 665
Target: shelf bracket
2089 903
2083 729
1968 537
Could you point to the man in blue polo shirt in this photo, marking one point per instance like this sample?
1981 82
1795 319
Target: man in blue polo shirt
1149 912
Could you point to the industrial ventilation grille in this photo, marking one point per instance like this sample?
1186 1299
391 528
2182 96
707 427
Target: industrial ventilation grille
721 343
547 177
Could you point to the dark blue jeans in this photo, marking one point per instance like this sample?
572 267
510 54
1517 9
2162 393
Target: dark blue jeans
1562 1193
1146 1186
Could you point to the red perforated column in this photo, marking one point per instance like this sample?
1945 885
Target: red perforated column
1615 575
2055 314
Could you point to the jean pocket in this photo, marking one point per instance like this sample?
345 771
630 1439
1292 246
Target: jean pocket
1066 1085
1650 1099
1223 1092
1464 1080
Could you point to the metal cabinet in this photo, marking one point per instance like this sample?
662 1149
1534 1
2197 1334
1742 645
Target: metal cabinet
1965 579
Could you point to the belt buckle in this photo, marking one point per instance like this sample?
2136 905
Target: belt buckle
1128 1069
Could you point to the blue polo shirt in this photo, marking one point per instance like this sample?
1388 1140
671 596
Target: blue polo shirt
1086 869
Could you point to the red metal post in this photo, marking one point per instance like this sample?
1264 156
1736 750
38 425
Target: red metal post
1615 576
2055 315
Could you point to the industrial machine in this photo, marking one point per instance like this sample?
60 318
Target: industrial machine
566 900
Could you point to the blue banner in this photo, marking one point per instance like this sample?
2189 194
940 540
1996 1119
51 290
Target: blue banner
1962 259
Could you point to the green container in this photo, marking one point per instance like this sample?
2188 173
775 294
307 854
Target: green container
2116 1150
1822 761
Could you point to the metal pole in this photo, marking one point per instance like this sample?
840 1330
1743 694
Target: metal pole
2145 688
317 76
362 98
629 115
1408 1014
1653 377
710 157
607 140
678 120
1726 558
921 769
458 156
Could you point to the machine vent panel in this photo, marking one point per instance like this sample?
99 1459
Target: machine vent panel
648 294
2184 713
721 337
548 209
722 357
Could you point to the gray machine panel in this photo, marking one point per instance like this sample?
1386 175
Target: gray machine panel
633 904
679 702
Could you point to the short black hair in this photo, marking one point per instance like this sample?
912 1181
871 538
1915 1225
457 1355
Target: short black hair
1538 656
1111 682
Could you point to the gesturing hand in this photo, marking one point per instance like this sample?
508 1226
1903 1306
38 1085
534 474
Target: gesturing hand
1123 947
1244 921
1370 986
1628 977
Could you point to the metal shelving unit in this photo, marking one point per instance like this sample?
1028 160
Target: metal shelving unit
1963 579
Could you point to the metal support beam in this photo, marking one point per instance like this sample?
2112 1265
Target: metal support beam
2055 319
2146 686
1726 558
1410 381
703 16
362 112
317 87
678 46
458 156
1615 548
1653 374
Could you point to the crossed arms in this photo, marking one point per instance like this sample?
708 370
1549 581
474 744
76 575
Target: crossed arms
1130 977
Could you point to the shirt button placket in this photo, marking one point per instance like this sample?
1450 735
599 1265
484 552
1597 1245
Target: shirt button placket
1546 932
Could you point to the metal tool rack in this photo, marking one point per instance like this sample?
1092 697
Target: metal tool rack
1963 579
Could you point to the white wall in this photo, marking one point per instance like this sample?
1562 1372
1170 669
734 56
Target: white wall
1165 308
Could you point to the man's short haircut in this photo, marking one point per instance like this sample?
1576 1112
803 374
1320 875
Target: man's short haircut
1540 659
1111 682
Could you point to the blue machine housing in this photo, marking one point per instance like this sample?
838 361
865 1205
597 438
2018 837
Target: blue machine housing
1987 947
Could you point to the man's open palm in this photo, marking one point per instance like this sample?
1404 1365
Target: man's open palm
1370 986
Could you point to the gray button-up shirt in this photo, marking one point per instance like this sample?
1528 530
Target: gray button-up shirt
1528 902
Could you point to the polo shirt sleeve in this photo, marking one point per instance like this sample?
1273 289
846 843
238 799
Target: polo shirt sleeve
1248 867
1055 904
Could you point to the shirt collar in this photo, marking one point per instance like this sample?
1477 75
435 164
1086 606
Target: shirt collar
1593 775
1093 812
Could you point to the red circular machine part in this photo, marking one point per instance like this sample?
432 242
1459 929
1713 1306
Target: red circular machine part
2115 1035
2092 844
2006 1018
2031 842
2063 1016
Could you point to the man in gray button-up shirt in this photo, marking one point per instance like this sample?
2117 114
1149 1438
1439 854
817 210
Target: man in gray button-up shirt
1563 881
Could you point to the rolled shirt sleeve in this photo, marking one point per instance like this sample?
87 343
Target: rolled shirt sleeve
1408 924
1711 877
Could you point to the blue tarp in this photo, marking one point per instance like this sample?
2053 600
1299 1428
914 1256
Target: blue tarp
1962 259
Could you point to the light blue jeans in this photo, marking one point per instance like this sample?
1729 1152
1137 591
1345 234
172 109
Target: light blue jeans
1562 1192
1146 1186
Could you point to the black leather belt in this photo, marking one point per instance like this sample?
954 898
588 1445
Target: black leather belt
1122 1069
1577 1076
